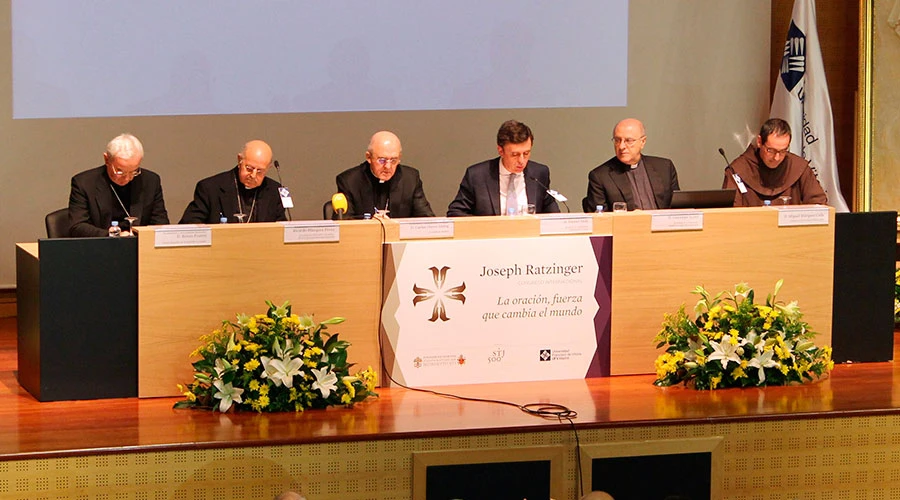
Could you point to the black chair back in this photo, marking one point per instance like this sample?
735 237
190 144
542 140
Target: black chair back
57 223
328 210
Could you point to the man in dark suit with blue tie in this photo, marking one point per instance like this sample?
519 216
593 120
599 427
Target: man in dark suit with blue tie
508 183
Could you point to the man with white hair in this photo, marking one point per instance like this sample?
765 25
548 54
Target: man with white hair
381 184
118 190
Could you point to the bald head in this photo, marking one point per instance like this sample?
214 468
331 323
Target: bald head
383 154
597 495
629 139
253 163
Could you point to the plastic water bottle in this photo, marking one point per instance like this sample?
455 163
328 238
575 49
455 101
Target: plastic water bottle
767 203
223 220
367 216
599 209
114 230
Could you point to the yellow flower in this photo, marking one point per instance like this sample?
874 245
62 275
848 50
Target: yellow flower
292 395
716 309
733 340
738 373
350 389
251 347
251 365
728 308
263 401
253 385
346 399
312 364
733 332
263 389
715 381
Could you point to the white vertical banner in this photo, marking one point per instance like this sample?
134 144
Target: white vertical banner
801 98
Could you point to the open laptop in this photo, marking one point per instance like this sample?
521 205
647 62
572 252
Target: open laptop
709 198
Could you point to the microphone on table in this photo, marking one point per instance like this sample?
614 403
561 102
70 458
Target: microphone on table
737 178
283 191
554 193
339 204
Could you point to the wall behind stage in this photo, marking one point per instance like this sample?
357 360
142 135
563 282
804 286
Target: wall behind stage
698 76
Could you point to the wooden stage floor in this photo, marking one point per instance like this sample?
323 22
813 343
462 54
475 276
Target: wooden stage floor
30 429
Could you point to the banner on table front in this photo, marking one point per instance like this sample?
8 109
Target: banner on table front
497 310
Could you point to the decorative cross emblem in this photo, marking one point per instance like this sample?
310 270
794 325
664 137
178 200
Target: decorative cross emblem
439 293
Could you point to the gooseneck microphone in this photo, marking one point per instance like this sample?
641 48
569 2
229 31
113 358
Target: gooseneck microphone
339 204
552 192
722 152
737 178
286 194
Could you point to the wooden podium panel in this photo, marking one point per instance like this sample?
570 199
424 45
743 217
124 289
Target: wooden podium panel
186 292
654 272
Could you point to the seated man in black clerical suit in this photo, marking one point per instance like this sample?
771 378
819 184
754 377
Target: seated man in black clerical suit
119 190
242 194
381 184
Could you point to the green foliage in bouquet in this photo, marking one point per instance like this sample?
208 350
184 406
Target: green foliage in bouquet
276 361
734 342
897 296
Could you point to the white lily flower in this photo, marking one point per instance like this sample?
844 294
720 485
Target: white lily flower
326 381
724 351
763 360
228 394
281 371
222 366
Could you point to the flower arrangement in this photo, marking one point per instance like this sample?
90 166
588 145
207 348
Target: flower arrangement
734 342
276 361
897 296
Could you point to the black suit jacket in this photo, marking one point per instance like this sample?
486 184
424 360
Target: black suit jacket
91 201
609 183
479 191
405 199
217 196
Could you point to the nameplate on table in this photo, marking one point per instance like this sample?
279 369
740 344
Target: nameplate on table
187 235
803 216
412 229
677 220
566 224
311 232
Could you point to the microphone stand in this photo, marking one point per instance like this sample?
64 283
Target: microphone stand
278 171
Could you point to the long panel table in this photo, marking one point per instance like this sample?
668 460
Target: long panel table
187 292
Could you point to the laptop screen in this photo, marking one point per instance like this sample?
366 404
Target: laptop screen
710 198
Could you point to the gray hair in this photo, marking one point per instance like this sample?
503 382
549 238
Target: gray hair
124 146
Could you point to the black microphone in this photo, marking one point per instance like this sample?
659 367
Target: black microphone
737 178
278 171
722 152
554 193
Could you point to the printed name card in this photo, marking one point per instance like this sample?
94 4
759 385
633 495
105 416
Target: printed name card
566 224
677 220
187 235
803 216
411 229
311 232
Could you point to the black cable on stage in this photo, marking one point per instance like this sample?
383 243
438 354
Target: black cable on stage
543 410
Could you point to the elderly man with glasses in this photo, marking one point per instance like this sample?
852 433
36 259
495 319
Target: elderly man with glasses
243 194
119 190
642 182
767 171
381 185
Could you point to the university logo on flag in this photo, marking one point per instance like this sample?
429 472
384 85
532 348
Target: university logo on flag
793 64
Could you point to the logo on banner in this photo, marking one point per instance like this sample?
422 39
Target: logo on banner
461 360
545 355
417 362
793 63
439 294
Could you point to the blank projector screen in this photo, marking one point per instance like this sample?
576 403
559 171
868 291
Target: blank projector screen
171 57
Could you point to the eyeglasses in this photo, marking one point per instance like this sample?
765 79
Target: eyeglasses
776 152
250 170
628 141
121 173
387 161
